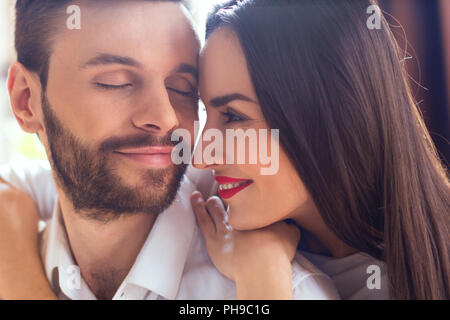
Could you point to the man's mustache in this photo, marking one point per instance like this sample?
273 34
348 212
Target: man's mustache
135 141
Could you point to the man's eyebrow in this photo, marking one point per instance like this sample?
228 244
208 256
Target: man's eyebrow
187 68
108 59
223 100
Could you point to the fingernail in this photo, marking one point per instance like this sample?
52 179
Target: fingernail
197 197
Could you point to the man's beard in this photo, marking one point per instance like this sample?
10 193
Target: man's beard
87 177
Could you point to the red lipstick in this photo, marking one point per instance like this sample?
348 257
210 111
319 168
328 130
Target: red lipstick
228 186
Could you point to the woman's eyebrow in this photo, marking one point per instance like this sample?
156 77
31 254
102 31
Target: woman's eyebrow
223 100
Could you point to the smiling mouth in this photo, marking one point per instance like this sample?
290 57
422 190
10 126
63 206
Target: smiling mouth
228 187
149 156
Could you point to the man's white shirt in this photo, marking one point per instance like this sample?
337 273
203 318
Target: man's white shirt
173 262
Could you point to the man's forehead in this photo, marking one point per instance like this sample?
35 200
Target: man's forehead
136 17
143 30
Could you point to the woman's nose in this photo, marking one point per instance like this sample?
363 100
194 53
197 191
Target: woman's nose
209 153
205 160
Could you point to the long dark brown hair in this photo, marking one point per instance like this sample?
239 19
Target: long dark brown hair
338 92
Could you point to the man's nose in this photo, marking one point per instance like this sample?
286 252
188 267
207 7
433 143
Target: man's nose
155 113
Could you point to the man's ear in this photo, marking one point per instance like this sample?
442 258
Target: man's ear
25 97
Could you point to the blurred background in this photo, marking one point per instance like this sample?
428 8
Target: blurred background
422 28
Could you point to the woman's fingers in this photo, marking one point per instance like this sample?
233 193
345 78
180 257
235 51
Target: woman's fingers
204 220
218 213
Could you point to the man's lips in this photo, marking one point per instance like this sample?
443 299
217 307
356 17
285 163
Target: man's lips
158 156
147 150
228 186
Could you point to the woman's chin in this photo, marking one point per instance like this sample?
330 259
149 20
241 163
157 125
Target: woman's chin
238 221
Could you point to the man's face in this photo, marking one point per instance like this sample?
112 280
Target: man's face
116 90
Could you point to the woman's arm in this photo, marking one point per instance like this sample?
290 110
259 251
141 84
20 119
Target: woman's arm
258 261
21 272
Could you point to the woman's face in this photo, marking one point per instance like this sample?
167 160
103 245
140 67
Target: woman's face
231 103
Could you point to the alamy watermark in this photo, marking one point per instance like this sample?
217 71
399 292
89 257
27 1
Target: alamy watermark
374 280
73 280
238 146
374 20
73 22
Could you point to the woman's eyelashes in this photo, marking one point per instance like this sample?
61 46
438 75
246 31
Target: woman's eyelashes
231 116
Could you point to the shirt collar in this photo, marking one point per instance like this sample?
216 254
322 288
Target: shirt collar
60 266
159 265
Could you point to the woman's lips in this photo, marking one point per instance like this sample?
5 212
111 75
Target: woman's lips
149 156
228 187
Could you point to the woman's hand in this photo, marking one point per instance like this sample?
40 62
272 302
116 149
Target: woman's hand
21 272
259 261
